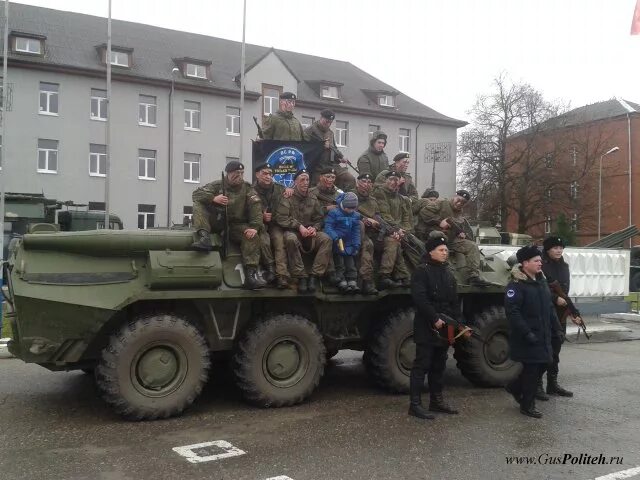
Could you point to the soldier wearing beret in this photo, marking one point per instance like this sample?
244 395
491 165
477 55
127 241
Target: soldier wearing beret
326 190
532 324
283 125
331 157
242 208
401 164
434 292
373 160
556 269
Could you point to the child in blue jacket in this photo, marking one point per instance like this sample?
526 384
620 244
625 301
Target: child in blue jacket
342 224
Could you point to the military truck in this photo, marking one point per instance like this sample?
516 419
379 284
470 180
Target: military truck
151 318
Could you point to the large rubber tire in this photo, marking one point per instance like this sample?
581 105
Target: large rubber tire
634 283
279 360
153 367
391 351
487 365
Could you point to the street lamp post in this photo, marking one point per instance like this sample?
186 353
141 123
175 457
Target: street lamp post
611 150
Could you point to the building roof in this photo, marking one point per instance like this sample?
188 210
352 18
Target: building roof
72 38
591 113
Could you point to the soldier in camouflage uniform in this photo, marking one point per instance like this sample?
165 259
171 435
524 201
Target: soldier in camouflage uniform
241 206
282 125
274 255
373 160
331 157
395 211
433 217
407 188
301 217
326 191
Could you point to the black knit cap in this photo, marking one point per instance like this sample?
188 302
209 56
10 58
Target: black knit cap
233 165
527 253
288 96
300 172
262 166
434 242
328 114
551 242
400 156
464 194
365 176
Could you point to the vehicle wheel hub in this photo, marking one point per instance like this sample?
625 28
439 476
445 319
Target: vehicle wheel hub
406 354
285 362
159 369
497 349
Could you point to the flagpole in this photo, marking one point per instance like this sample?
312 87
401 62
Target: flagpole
3 130
242 62
107 166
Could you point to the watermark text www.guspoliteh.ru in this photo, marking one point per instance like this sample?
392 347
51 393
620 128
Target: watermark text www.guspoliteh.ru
564 459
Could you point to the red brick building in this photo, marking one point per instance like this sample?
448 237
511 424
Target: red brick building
557 172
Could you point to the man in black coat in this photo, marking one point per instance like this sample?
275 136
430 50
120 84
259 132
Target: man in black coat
434 291
556 269
532 323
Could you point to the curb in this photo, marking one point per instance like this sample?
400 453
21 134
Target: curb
623 317
573 329
4 351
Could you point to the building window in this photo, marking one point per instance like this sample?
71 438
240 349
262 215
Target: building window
146 216
98 104
404 139
192 167
574 222
271 97
373 129
196 71
119 59
147 111
187 215
231 159
385 100
548 160
146 164
307 121
574 155
47 156
329 91
28 45
49 98
191 115
547 224
97 160
97 206
342 133
574 190
548 193
233 121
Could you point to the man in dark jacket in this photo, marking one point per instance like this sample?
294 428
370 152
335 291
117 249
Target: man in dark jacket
532 323
556 269
434 291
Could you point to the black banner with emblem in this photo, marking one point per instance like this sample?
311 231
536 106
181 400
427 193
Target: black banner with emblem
285 158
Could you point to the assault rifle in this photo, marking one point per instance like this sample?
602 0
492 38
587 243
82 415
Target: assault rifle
225 222
408 240
456 329
260 132
459 226
570 309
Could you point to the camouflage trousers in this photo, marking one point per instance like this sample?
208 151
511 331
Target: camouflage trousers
472 256
249 247
321 245
391 261
272 249
344 180
365 256
207 217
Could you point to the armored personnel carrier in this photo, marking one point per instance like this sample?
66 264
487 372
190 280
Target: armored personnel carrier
147 316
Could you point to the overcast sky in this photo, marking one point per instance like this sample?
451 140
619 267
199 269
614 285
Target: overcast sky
443 53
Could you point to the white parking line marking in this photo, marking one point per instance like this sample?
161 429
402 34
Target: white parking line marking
208 451
632 472
280 477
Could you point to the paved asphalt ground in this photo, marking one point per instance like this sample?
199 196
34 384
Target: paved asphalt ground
53 426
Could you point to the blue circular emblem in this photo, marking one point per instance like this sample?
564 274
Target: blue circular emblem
285 162
511 293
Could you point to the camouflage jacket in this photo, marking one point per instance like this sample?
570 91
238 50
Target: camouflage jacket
329 156
394 208
282 126
407 189
368 208
270 197
372 162
432 213
299 210
244 207
325 197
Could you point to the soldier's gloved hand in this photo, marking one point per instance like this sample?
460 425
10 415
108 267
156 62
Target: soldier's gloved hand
531 338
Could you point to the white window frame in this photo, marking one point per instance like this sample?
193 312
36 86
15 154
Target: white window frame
235 121
193 113
147 108
189 216
305 123
196 68
574 190
386 101
28 41
547 224
102 107
272 102
146 215
574 155
116 57
147 160
47 159
402 139
100 157
49 94
191 163
327 90
371 132
342 134
574 222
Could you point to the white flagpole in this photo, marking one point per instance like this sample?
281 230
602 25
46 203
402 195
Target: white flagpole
242 61
107 178
3 120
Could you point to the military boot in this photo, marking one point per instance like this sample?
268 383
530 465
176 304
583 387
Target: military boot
554 389
386 283
201 241
368 288
313 284
540 395
530 411
282 282
478 281
438 404
416 409
252 280
269 274
403 282
303 285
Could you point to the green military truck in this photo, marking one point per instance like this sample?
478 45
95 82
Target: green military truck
148 317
